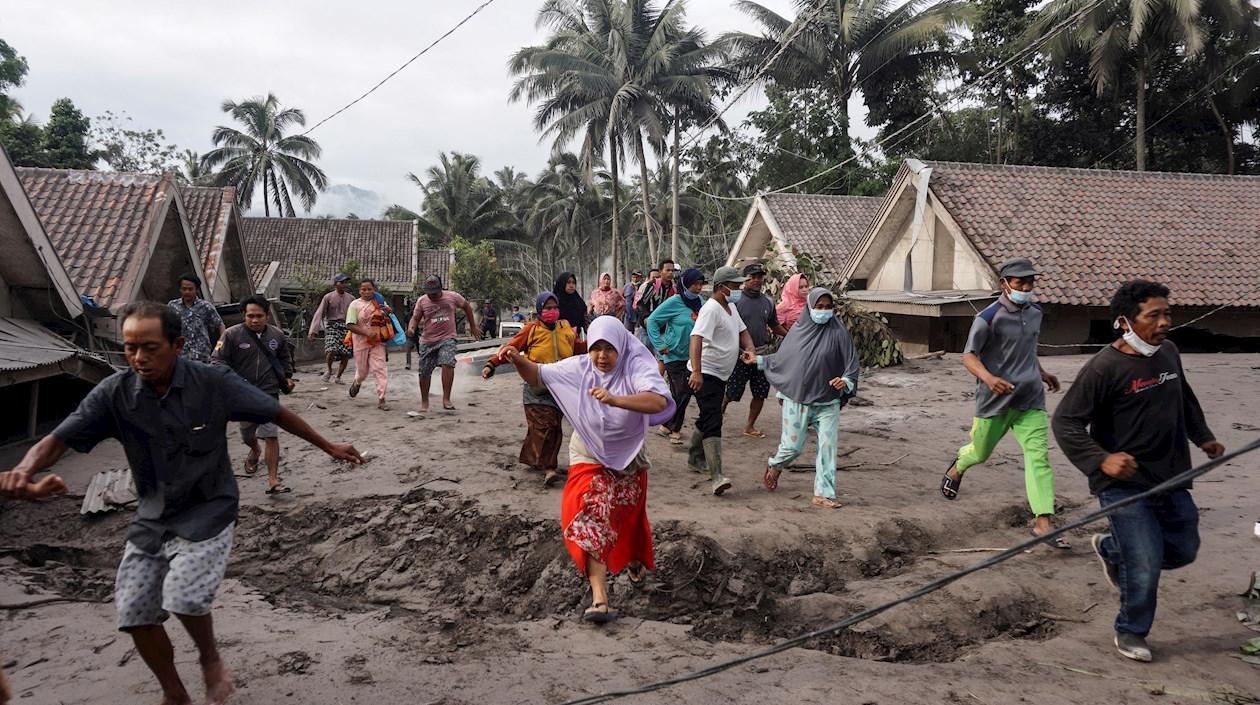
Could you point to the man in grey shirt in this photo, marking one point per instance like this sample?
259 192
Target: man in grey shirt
263 356
757 311
171 417
1001 353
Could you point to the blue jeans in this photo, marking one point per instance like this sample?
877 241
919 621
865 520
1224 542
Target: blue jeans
1158 533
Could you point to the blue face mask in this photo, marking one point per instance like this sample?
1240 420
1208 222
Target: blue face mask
1021 298
821 315
689 296
735 296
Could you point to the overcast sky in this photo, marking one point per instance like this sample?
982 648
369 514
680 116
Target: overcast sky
170 65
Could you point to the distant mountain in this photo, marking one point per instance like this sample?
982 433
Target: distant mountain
340 200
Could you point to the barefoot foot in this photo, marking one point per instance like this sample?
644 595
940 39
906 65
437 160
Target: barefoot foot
219 685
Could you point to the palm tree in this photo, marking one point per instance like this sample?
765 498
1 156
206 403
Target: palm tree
263 155
458 201
849 43
192 169
1122 36
598 78
565 217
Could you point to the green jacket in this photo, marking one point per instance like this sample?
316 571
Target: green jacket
670 326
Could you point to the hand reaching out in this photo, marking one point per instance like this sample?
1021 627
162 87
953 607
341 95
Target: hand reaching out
345 452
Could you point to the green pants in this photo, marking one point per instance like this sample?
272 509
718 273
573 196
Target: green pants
1030 429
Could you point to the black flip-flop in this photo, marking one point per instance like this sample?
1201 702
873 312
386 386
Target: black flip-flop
278 489
595 616
637 576
950 486
251 468
448 408
1058 542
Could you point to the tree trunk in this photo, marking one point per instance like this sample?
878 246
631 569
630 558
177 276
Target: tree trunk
612 161
675 187
653 250
266 207
1229 136
1139 142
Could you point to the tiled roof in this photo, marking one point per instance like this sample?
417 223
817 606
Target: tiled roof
384 249
99 223
258 270
434 262
209 211
1089 230
826 227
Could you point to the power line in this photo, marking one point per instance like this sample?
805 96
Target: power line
927 589
398 70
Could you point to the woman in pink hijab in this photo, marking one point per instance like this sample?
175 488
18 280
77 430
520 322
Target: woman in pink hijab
793 301
611 396
605 299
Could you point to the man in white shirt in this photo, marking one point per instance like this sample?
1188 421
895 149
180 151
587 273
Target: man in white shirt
716 342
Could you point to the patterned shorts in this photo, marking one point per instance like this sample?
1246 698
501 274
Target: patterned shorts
747 374
335 340
182 577
439 354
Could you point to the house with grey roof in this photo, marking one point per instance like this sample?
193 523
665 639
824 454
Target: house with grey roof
928 260
309 251
785 225
121 237
46 365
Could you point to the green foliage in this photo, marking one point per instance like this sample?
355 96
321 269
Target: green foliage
66 138
478 275
875 341
458 202
24 141
263 156
128 149
13 68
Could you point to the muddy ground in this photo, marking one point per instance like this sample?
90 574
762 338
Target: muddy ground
436 573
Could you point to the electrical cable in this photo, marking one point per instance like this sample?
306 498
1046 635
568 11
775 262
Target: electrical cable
926 589
398 70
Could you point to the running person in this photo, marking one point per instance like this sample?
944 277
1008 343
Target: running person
1001 353
171 417
435 311
330 315
1127 423
198 317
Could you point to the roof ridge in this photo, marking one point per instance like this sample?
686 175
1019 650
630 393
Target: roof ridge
819 195
1122 173
284 219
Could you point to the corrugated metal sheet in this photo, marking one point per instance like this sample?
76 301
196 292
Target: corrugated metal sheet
26 344
109 490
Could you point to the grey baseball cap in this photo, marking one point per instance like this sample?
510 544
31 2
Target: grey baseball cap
1017 267
728 274
341 277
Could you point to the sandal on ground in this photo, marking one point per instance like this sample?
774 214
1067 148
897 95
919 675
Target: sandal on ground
354 390
278 489
950 486
549 479
754 434
448 407
637 575
251 466
664 433
826 503
771 478
676 439
382 405
1058 542
594 615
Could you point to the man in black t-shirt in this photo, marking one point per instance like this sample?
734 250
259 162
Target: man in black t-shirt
1126 423
757 311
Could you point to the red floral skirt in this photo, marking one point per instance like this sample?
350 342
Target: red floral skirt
604 516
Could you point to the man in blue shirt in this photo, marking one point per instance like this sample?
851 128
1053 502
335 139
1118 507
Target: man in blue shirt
198 318
636 278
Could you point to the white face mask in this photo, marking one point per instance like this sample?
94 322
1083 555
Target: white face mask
1134 340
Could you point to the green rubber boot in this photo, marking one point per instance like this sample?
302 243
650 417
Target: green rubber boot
713 460
695 455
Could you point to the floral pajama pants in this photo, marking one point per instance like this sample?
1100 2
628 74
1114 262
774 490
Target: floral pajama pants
797 420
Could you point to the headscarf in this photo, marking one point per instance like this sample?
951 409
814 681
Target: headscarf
612 436
792 303
606 301
689 277
572 307
540 301
811 356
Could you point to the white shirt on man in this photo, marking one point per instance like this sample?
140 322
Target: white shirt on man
720 331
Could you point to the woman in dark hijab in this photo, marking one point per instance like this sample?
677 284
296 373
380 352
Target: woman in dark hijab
572 307
815 371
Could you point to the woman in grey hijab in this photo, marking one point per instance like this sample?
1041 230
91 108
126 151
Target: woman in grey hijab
815 371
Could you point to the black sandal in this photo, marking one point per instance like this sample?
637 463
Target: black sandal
637 575
596 616
950 486
1058 542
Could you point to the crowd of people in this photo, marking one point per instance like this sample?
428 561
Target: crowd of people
616 367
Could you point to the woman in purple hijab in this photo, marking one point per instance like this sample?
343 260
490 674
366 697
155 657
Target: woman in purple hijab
611 396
